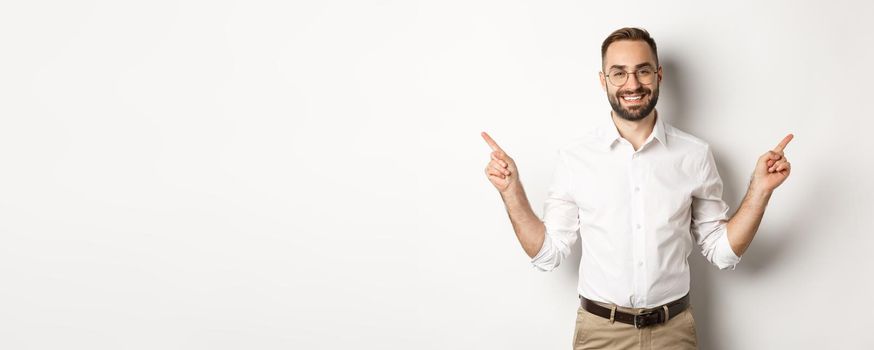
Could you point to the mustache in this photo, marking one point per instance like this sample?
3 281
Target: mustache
639 91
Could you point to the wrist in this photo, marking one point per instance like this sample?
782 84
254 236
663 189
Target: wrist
760 191
514 190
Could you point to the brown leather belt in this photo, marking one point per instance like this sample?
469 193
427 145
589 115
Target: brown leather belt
653 316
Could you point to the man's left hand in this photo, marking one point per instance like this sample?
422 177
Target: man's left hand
772 168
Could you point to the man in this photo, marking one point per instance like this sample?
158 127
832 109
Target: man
638 192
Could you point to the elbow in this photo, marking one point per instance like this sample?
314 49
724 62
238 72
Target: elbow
721 254
722 265
546 265
721 262
551 254
546 260
536 248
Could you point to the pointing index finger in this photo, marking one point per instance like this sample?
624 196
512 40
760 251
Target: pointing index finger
784 142
492 143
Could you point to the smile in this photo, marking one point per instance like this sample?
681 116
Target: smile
633 98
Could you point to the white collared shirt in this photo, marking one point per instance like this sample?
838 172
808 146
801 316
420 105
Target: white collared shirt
636 213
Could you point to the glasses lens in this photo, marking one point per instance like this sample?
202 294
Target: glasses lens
618 78
645 76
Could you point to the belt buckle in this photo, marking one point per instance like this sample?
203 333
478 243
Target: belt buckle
644 319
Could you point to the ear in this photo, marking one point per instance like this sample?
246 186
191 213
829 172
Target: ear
660 73
603 81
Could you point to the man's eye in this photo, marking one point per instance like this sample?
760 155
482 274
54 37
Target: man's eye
644 72
618 74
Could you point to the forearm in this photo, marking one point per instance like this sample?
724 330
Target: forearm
529 229
744 224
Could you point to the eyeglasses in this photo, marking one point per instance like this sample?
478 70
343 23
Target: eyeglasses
620 77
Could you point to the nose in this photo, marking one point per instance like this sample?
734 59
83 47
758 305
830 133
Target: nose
632 83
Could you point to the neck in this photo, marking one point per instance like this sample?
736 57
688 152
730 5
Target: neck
638 131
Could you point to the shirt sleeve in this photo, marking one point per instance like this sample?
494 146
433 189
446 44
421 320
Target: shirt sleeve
710 217
561 218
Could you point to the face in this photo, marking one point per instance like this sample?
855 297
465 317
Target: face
633 100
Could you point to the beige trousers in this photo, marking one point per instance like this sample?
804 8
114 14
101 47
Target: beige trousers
595 332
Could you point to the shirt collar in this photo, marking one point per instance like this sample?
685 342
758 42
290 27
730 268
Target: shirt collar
609 133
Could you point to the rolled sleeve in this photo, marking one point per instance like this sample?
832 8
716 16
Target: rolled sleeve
561 218
556 247
723 256
710 218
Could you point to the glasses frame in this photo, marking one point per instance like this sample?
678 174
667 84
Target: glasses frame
654 71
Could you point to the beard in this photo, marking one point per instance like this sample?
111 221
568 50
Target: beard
638 112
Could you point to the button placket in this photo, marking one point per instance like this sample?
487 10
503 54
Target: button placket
639 238
634 234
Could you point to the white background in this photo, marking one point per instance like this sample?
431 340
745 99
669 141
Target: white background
309 175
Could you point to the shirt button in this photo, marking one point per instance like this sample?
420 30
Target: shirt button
640 263
636 189
638 226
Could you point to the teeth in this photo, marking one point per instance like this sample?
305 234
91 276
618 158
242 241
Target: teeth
630 98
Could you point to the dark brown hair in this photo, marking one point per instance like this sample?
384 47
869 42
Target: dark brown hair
629 33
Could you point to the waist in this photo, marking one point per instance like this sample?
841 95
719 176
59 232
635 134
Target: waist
639 317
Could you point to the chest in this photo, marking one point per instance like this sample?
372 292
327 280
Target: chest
658 185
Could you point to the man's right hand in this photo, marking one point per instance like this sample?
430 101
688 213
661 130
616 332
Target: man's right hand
501 170
503 174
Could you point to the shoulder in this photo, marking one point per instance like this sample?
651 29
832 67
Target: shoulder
684 139
690 145
696 151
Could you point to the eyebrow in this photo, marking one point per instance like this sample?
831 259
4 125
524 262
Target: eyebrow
637 66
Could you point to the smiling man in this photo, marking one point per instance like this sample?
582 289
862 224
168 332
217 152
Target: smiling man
639 193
